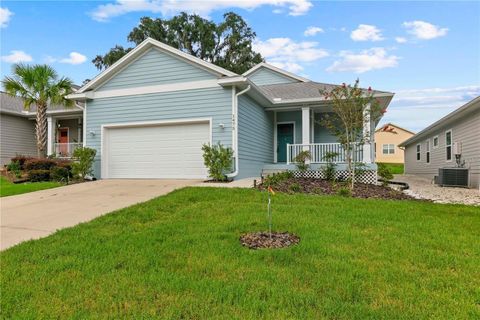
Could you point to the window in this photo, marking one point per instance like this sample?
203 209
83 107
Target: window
448 144
388 148
418 152
427 151
435 142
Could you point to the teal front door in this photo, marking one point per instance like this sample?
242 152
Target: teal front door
284 136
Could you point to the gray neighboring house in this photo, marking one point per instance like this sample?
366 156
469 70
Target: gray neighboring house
149 114
17 129
433 147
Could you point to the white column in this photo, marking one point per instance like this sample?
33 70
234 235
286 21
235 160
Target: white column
367 147
50 134
305 125
275 142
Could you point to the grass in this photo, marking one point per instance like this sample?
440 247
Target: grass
8 188
395 168
179 257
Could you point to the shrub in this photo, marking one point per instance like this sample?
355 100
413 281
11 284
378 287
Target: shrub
218 160
21 160
295 187
39 164
317 190
14 167
276 178
331 167
67 164
39 175
84 158
301 160
384 173
344 192
59 174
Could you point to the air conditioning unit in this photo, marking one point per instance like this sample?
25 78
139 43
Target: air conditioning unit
452 177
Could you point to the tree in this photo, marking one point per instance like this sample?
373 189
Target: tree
353 108
39 85
227 44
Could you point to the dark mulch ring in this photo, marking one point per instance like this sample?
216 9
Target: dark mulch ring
319 186
259 240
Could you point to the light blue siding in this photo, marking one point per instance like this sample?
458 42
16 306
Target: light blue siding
321 134
200 103
263 76
156 68
255 137
292 116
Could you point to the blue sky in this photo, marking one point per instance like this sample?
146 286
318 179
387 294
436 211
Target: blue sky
428 53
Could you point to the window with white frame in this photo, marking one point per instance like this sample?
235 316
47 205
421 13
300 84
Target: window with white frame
448 145
427 151
435 142
388 148
418 152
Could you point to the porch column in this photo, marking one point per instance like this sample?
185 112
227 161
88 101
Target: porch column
306 125
367 147
50 135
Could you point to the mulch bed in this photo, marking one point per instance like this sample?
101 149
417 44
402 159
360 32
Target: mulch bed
260 240
319 186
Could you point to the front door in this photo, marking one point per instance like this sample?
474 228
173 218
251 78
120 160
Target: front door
63 140
284 137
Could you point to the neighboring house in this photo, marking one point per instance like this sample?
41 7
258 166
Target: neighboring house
17 129
434 147
149 114
387 139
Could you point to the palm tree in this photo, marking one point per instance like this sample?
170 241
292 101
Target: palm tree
39 85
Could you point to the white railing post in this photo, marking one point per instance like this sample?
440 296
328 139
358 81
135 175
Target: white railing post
288 153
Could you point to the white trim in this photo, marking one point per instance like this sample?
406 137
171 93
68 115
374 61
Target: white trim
50 135
305 125
428 153
418 152
451 145
145 45
294 137
85 125
275 141
105 127
278 70
433 142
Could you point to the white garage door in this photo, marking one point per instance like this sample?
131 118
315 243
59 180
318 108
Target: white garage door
160 151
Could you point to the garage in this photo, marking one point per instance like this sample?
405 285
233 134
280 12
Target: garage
168 150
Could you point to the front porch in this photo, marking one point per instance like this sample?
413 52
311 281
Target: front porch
65 134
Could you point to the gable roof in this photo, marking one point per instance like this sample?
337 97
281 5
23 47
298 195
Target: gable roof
387 125
275 69
471 106
143 47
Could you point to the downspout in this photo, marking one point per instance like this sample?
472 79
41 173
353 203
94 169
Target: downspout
235 131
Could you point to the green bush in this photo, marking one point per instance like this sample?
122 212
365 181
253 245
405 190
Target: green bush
384 173
21 160
301 160
276 178
344 192
39 175
61 174
218 160
295 187
82 166
39 164
15 168
330 167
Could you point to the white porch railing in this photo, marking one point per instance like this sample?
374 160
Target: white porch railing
319 150
65 150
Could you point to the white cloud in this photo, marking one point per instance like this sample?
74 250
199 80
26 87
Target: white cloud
311 31
288 54
366 32
424 30
401 39
428 105
74 58
17 56
5 15
107 11
366 60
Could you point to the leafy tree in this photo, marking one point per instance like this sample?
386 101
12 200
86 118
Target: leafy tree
38 85
227 44
84 161
218 160
353 107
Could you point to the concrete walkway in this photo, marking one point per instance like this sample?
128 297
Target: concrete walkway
38 214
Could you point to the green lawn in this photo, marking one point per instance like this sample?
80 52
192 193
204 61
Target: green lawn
178 257
395 168
9 189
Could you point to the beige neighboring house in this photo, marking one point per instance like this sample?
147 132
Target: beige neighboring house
387 140
436 146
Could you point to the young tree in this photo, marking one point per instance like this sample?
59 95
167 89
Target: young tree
227 44
353 109
38 85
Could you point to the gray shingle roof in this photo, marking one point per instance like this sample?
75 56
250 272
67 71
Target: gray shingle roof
15 105
298 90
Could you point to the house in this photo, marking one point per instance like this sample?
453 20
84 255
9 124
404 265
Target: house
17 129
387 139
149 114
437 145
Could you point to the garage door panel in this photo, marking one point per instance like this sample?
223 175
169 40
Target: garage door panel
163 151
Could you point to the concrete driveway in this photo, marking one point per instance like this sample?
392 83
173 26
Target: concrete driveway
38 214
